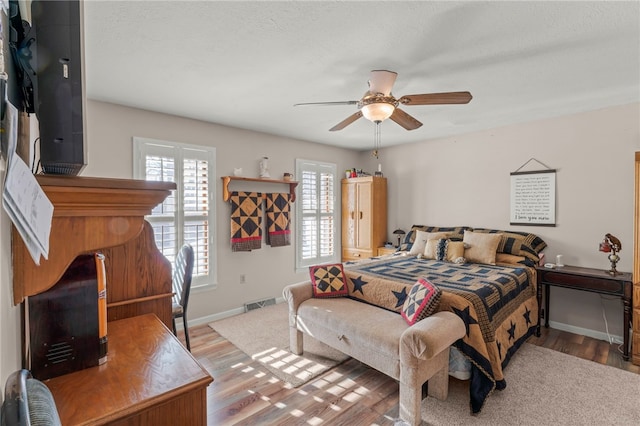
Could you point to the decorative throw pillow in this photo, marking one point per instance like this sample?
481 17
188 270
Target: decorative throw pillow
481 247
436 249
445 250
423 300
518 243
455 252
421 241
328 280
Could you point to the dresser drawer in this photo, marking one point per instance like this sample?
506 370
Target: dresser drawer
609 285
356 254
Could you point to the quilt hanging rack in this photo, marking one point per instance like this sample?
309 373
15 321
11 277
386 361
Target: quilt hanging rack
227 179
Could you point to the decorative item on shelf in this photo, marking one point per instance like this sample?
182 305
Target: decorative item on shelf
611 245
264 167
287 176
399 233
237 171
347 173
378 173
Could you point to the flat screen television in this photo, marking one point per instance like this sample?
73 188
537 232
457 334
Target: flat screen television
47 45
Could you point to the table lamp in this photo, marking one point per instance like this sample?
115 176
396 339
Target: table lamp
611 245
399 233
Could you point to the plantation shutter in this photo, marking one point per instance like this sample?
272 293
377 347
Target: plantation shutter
186 215
197 211
316 213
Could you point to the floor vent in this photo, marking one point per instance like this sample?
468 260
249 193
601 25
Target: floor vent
259 304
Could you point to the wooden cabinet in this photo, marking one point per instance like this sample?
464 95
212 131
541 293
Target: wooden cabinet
364 216
635 313
107 215
149 379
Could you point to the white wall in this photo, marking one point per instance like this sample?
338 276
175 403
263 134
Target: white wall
268 270
464 180
9 314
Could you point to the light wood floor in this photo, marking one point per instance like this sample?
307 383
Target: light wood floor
244 393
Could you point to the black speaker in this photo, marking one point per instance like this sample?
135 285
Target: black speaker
64 322
58 87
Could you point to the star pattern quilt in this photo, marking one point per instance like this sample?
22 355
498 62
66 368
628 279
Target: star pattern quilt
496 302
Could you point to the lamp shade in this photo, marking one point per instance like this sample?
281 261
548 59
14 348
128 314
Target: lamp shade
378 111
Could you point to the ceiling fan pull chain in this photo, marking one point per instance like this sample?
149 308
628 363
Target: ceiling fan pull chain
376 139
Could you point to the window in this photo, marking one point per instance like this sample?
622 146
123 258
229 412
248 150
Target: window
187 215
316 216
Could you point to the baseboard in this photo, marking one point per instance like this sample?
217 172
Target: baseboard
600 335
553 324
220 315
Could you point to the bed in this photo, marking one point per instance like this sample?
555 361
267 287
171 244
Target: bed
492 287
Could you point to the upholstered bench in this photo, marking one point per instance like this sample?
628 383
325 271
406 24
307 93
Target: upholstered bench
381 339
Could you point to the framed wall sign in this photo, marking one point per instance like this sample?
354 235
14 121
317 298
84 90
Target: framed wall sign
533 198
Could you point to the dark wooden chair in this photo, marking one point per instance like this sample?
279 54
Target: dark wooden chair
181 278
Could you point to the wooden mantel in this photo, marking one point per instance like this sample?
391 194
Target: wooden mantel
98 214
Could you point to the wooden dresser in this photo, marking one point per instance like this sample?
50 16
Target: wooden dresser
148 379
364 216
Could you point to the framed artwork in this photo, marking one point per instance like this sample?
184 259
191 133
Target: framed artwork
533 198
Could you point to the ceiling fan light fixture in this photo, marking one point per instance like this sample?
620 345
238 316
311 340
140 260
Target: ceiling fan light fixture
379 111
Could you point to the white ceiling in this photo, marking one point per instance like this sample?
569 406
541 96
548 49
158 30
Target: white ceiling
245 63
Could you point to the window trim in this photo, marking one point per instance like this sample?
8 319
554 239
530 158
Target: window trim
143 146
303 265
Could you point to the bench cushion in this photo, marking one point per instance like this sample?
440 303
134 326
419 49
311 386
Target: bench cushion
365 332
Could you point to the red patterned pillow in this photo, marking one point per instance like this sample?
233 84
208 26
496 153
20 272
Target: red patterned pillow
422 301
328 280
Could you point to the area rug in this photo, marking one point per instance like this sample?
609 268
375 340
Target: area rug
546 387
263 334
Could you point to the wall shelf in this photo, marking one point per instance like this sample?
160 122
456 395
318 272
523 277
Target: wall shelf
227 179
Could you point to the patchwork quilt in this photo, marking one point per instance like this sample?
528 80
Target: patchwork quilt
496 302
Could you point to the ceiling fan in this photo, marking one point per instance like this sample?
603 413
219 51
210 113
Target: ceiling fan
378 103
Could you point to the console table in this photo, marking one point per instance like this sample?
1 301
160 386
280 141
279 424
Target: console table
149 379
587 279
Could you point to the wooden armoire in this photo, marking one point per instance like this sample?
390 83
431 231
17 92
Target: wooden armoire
364 216
635 338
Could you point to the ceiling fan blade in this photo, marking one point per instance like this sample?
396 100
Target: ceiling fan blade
344 123
436 98
381 81
405 120
328 103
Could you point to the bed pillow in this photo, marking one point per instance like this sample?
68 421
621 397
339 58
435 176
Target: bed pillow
512 259
481 247
518 243
445 250
455 233
328 280
423 300
421 241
